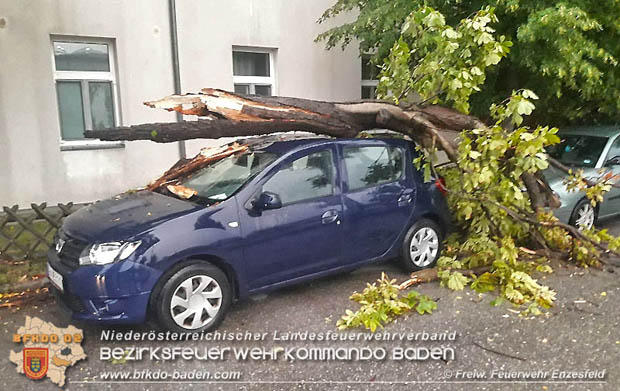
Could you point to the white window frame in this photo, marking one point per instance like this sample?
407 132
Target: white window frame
371 83
252 81
84 77
368 82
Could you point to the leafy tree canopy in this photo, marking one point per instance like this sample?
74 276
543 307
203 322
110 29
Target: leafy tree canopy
567 52
495 59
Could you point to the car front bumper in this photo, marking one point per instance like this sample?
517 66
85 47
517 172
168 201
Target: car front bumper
118 293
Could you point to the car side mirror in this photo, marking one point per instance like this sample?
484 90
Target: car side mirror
267 200
614 161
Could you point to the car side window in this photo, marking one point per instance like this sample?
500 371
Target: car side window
372 165
310 176
614 150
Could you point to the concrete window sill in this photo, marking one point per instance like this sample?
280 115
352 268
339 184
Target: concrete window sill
90 145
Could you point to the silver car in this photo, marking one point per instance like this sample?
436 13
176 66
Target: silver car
595 150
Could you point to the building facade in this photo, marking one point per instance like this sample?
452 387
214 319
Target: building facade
70 65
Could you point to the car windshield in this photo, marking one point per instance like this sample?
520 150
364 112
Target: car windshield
578 150
223 178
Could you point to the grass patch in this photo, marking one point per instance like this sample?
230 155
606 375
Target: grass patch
26 240
12 272
15 264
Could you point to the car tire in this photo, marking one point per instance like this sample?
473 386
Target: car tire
583 210
421 246
194 299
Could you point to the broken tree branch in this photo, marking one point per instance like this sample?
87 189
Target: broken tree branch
227 114
204 158
428 275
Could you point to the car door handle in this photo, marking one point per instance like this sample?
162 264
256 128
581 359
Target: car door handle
329 217
405 197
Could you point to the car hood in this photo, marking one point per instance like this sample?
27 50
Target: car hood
124 216
556 177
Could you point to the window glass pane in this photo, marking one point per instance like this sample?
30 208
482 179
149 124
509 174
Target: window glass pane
73 56
250 64
614 150
70 109
578 150
101 104
368 92
262 90
307 177
370 166
220 180
242 88
369 71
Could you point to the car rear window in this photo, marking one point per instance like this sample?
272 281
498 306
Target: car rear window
372 165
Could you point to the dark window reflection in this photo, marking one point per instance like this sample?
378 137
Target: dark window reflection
370 166
308 177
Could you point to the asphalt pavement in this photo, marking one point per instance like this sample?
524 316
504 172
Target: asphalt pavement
581 333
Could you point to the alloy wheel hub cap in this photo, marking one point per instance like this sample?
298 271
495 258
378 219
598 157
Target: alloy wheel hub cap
196 302
585 217
424 246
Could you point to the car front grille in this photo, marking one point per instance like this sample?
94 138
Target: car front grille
71 250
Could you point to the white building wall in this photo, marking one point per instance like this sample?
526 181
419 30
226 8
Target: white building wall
32 166
208 30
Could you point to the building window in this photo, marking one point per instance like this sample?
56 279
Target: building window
253 71
85 86
370 79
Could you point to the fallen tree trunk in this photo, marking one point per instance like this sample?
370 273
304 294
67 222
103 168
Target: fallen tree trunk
226 114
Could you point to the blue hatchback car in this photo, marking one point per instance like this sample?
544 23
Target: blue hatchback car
280 213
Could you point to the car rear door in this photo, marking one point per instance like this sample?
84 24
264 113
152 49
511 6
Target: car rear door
611 201
378 197
304 236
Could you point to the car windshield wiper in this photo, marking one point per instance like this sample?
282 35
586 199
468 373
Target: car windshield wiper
206 201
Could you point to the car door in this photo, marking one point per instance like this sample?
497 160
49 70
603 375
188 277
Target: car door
611 201
378 198
304 235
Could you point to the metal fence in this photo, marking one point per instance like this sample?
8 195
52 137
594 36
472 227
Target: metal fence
29 233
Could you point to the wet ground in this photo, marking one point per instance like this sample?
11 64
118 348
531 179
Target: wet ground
582 332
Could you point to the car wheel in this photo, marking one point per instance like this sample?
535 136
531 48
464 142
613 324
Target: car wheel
584 215
421 246
194 299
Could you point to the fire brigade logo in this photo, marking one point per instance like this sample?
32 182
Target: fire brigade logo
47 350
35 362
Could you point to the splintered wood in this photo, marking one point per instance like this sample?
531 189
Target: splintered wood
187 168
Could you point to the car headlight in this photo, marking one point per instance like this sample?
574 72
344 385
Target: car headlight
105 253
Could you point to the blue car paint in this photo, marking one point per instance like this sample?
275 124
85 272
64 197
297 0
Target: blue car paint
261 252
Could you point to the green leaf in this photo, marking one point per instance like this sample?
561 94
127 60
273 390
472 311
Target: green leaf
485 283
525 107
426 305
497 301
474 154
457 281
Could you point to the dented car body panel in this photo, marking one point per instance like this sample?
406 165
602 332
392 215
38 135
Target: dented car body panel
348 225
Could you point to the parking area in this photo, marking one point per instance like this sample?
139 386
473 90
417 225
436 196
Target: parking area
579 333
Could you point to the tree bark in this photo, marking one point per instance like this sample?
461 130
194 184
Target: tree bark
227 114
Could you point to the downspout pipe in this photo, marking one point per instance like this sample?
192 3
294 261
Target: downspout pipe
176 71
